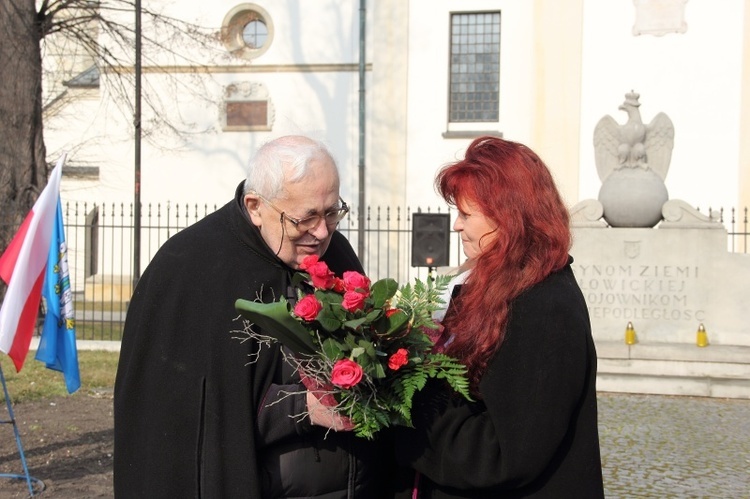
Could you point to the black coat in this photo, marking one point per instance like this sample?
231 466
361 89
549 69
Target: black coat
186 396
534 433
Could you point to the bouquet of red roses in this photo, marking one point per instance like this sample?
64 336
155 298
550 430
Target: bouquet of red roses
366 347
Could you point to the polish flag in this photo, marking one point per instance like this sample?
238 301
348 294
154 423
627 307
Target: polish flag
22 267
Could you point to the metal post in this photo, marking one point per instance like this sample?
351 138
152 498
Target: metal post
137 124
26 476
361 211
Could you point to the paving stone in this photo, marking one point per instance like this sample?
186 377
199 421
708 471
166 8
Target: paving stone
657 446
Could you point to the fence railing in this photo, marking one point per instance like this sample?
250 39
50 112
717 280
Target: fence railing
736 225
100 250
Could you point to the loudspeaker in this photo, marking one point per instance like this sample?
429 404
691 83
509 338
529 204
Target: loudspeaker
430 239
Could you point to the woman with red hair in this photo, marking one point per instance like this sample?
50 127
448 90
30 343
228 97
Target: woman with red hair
520 323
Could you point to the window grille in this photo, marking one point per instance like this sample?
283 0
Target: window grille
475 67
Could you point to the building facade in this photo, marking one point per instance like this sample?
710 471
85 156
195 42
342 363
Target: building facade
436 75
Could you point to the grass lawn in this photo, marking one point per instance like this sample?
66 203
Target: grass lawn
35 381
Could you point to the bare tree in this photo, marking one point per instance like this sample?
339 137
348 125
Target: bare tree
104 31
23 170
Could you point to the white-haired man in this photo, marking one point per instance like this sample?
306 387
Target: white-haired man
192 416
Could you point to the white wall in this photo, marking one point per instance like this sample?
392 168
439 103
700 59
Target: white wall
694 77
207 165
428 46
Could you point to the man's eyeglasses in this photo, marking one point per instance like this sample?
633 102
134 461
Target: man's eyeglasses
332 217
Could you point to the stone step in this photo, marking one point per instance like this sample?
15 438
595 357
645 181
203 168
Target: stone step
673 385
674 369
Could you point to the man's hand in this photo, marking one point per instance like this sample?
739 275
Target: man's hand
323 415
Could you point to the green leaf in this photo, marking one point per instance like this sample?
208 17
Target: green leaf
382 291
350 340
328 322
379 370
366 364
397 321
300 277
333 350
368 347
276 321
374 314
328 297
355 323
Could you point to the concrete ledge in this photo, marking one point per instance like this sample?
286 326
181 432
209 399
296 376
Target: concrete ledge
667 367
108 288
673 351
674 369
673 385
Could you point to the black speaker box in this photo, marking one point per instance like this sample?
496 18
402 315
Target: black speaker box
430 239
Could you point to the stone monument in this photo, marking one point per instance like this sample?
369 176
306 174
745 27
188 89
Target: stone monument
632 162
660 266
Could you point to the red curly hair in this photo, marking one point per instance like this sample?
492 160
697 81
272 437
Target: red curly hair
513 188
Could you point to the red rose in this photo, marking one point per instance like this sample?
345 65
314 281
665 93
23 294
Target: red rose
308 308
320 274
398 359
338 285
353 301
308 261
346 373
354 281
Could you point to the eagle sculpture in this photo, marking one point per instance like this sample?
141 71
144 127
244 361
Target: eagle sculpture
633 145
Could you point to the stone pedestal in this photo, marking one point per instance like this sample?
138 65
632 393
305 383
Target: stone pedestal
666 281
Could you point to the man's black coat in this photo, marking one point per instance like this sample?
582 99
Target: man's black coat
186 397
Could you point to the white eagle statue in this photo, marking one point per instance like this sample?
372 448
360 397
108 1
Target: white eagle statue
633 145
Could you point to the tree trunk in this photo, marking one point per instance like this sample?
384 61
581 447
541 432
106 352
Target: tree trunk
23 170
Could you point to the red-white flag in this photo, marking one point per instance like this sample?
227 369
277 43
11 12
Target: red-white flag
22 267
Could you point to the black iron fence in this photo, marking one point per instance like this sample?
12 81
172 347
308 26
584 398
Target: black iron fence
736 225
100 250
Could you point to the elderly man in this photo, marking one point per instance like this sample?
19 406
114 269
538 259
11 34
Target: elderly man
192 416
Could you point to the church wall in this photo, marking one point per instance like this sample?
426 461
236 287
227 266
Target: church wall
694 77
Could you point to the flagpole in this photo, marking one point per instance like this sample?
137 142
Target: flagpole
361 166
137 122
29 479
25 266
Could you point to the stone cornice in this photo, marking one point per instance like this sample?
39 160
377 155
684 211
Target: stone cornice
244 68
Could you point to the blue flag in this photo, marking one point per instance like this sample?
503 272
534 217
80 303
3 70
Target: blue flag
57 346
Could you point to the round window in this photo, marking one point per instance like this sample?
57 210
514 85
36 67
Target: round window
247 31
255 34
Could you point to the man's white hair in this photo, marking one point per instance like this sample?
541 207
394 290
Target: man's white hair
285 159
